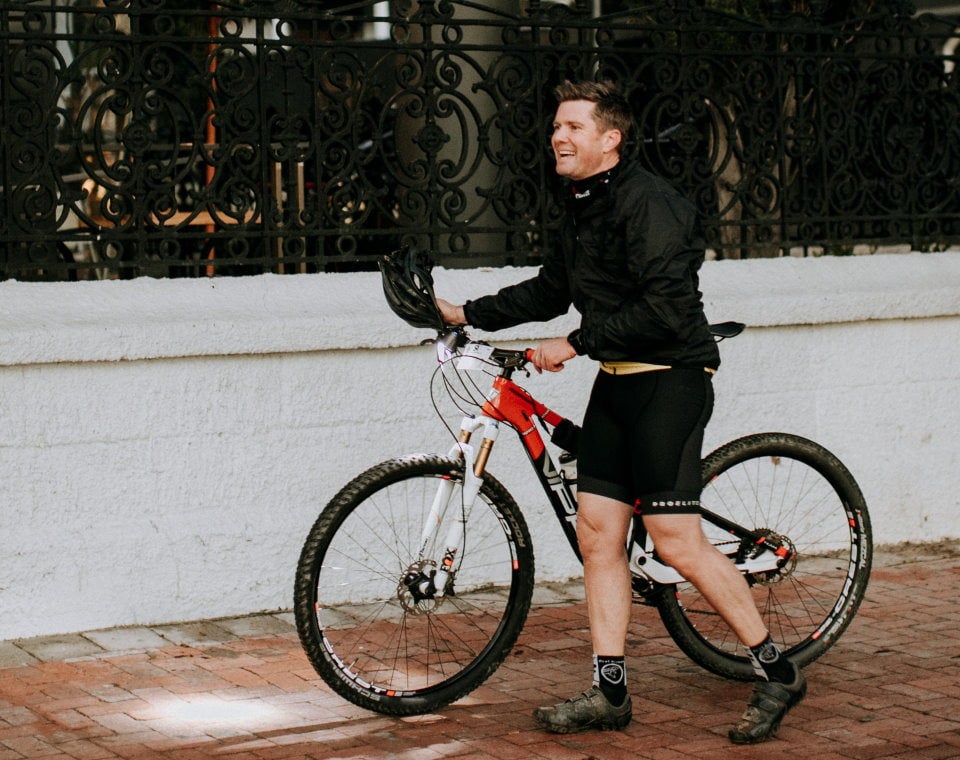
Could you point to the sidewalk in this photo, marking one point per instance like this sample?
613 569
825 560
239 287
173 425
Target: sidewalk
242 689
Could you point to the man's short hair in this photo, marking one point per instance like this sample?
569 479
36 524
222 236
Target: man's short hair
611 109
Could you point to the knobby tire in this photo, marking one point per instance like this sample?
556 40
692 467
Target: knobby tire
367 638
796 489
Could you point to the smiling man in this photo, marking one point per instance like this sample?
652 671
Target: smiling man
628 255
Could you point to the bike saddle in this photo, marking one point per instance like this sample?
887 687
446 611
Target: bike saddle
723 330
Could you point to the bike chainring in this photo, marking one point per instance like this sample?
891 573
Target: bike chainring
786 566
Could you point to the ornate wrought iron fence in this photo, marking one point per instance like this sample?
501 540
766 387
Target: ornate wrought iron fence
175 138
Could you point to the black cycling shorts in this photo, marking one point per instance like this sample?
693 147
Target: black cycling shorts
641 439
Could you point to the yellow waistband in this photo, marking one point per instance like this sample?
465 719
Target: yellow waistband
633 368
630 368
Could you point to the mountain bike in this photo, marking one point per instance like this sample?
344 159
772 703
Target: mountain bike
415 580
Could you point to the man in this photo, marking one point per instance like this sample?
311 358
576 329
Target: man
627 259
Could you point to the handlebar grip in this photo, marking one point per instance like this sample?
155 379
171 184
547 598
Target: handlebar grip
528 355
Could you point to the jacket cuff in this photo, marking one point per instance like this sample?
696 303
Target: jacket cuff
575 339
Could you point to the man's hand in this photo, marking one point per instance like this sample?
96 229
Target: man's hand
452 315
551 354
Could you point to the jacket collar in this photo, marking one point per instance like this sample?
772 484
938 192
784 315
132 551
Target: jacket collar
584 191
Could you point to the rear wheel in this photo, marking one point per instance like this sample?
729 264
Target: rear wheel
367 618
801 495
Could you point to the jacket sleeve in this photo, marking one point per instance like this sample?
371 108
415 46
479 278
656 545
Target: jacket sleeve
541 298
664 250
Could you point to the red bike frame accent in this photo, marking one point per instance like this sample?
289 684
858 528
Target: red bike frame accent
511 403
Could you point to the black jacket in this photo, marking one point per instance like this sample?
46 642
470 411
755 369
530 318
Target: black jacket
627 259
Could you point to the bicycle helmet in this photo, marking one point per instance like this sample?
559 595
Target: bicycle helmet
408 287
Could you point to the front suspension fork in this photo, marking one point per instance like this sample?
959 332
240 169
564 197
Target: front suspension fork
474 463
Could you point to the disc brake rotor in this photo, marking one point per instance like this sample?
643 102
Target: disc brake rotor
416 590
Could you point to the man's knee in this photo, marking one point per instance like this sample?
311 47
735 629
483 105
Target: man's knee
678 539
600 540
602 525
590 536
675 552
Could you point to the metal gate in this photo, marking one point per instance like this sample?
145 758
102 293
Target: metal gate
176 138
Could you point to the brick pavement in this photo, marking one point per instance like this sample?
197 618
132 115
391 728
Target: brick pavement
242 689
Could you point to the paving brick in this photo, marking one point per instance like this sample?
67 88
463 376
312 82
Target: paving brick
117 640
11 654
258 625
194 634
63 647
83 749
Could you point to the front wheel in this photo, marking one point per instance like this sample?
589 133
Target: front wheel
368 620
797 492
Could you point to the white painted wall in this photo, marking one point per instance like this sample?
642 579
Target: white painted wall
165 445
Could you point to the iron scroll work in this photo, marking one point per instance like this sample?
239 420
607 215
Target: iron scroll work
174 138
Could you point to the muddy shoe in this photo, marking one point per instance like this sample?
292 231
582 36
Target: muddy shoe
765 711
589 710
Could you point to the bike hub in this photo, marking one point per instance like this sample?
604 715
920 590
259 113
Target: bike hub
416 590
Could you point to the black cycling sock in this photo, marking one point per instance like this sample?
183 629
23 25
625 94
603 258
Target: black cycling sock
610 674
770 664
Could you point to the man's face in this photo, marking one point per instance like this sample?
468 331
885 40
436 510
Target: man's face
581 148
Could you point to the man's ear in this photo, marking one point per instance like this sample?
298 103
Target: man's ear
612 139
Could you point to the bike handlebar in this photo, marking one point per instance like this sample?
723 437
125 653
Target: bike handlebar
455 337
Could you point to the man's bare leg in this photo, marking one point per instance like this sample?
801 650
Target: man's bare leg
602 525
680 542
